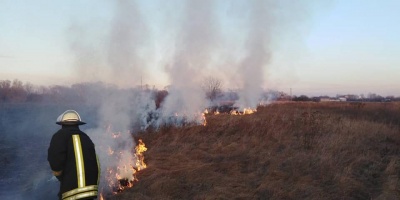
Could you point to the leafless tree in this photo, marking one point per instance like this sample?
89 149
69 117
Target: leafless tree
212 88
29 88
5 87
17 93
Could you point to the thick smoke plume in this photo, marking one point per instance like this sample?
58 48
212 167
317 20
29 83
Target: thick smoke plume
257 52
120 109
127 36
195 40
200 47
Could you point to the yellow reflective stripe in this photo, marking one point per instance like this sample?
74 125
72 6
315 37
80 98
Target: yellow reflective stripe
82 195
98 169
80 167
80 190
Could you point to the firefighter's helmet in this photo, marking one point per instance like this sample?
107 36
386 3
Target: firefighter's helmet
69 117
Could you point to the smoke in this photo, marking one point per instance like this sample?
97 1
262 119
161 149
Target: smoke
120 111
235 43
204 45
114 55
268 24
127 37
86 54
257 53
231 40
195 44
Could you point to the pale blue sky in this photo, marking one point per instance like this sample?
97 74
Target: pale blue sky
342 46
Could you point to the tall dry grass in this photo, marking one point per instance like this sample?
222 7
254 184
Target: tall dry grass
284 151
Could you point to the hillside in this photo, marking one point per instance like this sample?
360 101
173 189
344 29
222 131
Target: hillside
283 151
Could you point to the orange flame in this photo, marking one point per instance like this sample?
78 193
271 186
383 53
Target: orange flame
140 149
234 112
117 177
246 111
203 116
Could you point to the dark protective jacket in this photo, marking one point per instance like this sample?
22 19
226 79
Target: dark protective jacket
72 152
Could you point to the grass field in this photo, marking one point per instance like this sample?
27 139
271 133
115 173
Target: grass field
334 150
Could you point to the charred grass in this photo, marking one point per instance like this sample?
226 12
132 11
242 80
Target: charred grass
283 151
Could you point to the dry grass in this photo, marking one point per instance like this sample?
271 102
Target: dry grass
284 151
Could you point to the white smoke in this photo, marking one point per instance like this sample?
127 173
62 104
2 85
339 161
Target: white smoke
200 49
119 109
127 38
204 45
195 43
257 52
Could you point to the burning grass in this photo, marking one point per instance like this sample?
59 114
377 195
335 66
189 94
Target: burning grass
283 151
126 163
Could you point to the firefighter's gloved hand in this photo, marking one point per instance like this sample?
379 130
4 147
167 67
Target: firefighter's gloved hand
58 175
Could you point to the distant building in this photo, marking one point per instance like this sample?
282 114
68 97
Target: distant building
325 99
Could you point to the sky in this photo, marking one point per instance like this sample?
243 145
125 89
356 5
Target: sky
310 47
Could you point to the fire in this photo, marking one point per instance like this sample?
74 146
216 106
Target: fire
203 116
234 112
140 149
127 164
246 111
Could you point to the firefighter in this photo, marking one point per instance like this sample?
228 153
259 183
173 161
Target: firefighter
73 160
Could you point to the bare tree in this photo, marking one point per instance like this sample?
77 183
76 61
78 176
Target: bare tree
5 87
29 88
17 93
212 88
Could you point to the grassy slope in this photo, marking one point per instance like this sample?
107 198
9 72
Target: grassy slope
284 151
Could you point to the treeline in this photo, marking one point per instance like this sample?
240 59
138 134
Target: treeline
352 98
16 91
89 92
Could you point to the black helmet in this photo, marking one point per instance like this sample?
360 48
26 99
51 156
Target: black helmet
69 117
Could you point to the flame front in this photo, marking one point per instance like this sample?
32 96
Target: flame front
203 118
127 163
246 111
140 149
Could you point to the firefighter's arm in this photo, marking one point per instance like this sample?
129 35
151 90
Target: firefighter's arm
57 154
